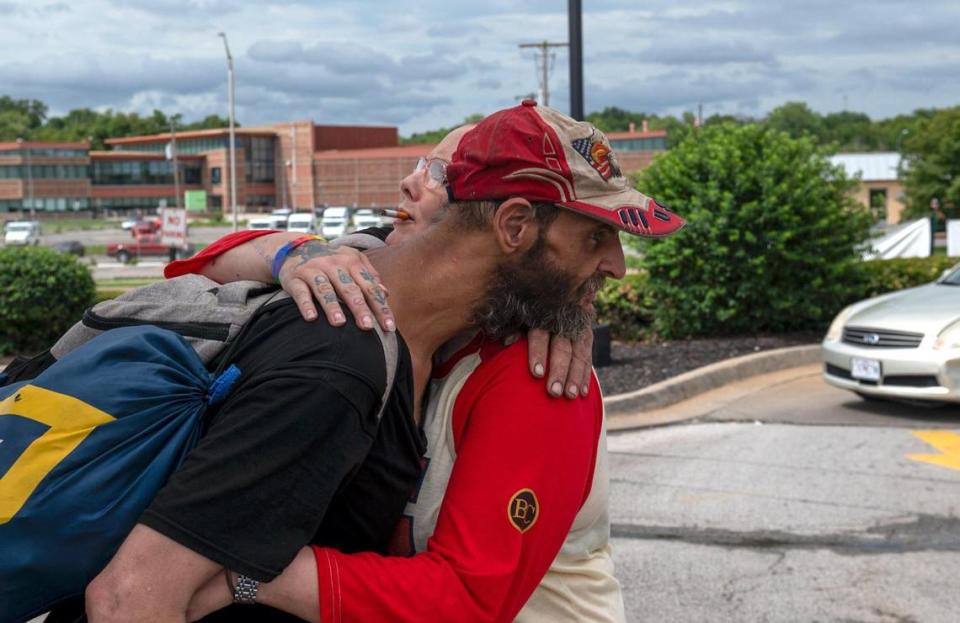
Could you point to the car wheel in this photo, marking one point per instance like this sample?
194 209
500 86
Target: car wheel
123 257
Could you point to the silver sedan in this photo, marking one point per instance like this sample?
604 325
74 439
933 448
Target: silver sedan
902 345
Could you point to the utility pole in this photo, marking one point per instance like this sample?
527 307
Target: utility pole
25 153
544 61
233 137
575 36
173 156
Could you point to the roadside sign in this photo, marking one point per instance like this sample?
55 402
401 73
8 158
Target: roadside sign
196 200
173 227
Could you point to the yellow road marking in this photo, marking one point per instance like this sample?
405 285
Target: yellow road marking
947 443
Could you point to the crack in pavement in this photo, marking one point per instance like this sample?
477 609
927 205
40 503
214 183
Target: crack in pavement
923 533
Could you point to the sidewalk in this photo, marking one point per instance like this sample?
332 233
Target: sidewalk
700 391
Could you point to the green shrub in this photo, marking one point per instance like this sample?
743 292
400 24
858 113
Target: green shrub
879 276
772 236
42 293
626 306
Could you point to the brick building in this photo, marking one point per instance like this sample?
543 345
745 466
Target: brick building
299 165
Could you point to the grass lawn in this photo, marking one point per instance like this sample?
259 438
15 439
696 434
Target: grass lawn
60 226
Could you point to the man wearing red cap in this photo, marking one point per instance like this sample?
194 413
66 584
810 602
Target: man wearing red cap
516 479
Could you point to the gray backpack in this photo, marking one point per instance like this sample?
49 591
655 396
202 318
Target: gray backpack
208 315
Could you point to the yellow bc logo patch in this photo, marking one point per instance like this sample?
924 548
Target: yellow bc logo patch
70 421
523 510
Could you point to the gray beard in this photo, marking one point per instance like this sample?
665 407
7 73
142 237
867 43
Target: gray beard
535 294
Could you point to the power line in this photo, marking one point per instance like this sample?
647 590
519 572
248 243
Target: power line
544 64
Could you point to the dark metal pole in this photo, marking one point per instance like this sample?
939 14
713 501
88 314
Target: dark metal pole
574 18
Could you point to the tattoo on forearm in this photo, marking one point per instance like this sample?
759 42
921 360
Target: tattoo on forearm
262 252
343 276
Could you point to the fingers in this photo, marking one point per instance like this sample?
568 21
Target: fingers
324 293
351 294
582 364
338 273
538 342
561 354
300 293
375 294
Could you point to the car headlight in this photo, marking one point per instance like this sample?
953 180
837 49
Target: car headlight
949 338
835 332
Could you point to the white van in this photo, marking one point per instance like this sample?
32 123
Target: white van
267 222
22 233
336 222
366 218
302 222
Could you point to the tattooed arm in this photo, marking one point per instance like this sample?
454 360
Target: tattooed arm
330 274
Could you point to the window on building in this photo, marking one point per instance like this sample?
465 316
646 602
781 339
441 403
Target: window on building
215 175
878 204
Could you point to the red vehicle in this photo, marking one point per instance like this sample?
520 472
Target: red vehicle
144 246
142 228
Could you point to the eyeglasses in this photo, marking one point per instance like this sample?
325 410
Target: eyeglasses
436 171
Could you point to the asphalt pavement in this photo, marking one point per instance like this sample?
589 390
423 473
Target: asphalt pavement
780 498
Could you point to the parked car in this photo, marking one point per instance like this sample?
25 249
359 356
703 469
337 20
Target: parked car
71 247
146 227
267 222
900 345
366 218
144 246
22 233
303 222
336 222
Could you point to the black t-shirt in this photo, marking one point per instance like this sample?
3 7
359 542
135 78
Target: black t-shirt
295 455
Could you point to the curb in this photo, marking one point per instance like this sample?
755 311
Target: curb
706 378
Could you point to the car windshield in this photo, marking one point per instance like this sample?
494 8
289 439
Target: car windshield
18 227
952 278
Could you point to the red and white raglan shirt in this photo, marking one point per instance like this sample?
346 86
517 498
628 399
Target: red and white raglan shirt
510 520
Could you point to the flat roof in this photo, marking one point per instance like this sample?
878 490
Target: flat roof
11 145
400 151
166 136
619 136
872 167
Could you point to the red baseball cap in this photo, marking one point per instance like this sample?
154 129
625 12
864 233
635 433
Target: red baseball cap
540 154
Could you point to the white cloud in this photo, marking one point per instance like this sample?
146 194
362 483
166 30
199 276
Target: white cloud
429 64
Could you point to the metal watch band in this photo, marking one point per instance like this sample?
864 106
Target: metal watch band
245 591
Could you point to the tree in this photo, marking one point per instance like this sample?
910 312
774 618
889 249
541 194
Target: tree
432 137
797 120
850 131
34 110
932 168
771 237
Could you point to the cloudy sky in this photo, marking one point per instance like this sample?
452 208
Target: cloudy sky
426 64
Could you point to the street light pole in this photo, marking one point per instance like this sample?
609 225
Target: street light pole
26 153
233 136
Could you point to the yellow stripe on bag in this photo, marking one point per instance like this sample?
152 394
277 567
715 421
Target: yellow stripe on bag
70 421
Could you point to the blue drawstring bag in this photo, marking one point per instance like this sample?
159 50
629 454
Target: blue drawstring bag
84 448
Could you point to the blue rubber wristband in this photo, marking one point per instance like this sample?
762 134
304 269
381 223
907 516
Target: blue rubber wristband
285 250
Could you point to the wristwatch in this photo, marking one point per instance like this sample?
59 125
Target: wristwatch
245 590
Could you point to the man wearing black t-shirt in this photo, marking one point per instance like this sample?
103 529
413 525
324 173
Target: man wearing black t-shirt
283 461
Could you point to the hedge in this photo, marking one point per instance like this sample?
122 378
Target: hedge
42 293
629 305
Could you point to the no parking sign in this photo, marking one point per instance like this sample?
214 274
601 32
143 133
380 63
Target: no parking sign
173 227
